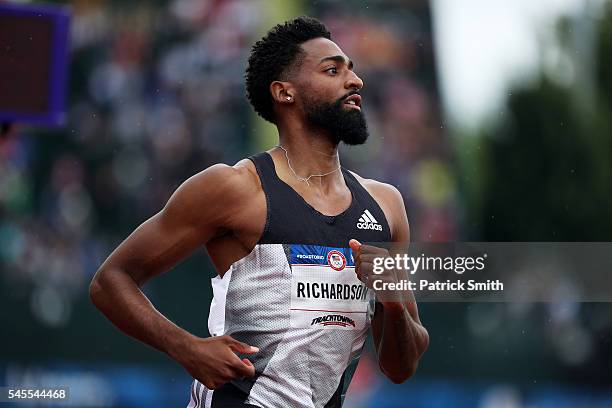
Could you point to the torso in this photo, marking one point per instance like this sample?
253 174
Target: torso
248 224
287 285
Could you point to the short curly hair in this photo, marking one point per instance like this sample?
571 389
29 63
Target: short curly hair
274 56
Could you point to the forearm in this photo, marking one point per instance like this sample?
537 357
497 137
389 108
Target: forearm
402 342
120 299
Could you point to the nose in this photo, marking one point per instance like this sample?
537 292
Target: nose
353 81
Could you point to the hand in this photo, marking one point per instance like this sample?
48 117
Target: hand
364 255
213 360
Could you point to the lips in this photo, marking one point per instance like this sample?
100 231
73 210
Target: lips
354 101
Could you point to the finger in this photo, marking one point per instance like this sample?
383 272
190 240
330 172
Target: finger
368 257
370 249
364 271
355 245
240 347
367 273
243 368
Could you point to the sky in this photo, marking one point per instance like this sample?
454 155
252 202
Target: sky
484 46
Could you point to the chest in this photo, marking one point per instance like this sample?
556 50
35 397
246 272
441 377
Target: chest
297 222
331 204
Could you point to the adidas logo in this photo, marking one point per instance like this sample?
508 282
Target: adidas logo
367 221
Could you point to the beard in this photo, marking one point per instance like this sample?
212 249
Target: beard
344 125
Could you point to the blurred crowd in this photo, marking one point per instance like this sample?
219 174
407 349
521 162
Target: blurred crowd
157 95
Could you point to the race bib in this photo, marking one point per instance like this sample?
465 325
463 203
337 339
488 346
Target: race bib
325 292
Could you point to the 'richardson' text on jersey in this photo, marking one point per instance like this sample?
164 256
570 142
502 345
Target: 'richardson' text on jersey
339 291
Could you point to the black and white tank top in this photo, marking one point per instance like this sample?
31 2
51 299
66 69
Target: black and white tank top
297 298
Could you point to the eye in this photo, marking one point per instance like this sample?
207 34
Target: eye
332 70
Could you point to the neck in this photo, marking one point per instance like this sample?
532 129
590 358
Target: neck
311 153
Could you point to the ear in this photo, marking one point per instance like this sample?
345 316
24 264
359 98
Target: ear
282 92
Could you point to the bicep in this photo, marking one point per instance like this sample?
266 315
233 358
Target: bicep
401 228
155 246
192 216
400 234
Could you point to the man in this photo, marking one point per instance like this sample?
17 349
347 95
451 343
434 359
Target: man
289 315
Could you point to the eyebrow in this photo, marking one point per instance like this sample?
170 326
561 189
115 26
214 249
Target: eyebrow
337 58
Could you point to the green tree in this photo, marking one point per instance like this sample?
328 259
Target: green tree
546 173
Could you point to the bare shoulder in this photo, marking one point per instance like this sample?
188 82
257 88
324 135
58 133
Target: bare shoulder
222 179
391 202
216 191
382 192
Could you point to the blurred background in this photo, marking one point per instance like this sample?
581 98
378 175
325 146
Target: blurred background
493 118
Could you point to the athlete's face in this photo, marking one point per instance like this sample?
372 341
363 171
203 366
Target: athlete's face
329 89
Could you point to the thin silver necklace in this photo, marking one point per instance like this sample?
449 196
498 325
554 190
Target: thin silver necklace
305 179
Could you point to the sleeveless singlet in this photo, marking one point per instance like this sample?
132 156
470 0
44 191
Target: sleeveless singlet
297 298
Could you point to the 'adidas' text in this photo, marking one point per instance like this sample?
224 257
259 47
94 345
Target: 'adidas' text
367 221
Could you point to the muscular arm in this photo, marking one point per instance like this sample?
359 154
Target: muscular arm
399 337
199 209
